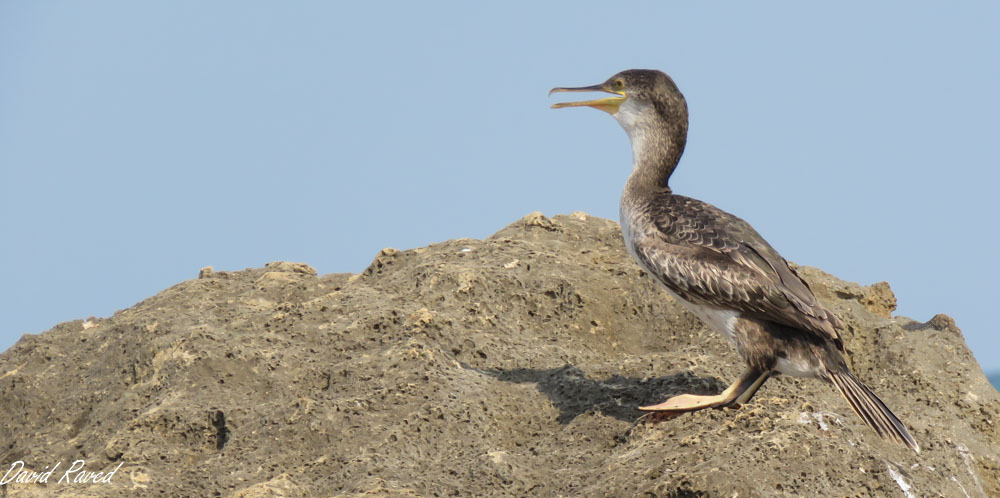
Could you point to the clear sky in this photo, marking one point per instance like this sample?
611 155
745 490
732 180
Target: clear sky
141 141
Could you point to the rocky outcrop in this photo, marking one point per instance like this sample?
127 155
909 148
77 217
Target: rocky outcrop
506 366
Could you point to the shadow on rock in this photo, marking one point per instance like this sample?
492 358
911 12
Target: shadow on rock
573 393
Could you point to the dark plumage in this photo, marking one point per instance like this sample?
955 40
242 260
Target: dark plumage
718 266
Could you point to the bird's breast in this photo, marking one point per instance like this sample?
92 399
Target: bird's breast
634 227
627 218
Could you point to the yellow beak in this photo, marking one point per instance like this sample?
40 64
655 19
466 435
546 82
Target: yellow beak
608 104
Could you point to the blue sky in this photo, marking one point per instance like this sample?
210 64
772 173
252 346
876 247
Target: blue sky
141 141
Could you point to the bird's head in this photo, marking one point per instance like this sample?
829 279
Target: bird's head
643 100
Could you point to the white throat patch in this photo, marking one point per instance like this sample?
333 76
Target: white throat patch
636 118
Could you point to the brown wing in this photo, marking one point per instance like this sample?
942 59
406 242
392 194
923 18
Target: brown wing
707 255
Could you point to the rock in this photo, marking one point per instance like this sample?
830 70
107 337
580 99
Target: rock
537 219
507 366
878 298
287 267
941 321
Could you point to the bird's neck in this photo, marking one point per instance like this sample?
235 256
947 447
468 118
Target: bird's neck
655 154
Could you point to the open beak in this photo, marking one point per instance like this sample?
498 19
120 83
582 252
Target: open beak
608 104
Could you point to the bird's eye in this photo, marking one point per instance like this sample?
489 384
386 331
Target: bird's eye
619 84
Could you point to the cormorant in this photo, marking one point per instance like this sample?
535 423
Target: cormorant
718 266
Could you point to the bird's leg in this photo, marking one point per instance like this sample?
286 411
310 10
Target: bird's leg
739 392
743 398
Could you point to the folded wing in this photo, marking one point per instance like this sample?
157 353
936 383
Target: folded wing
709 256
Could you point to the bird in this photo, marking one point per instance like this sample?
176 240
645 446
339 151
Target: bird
717 265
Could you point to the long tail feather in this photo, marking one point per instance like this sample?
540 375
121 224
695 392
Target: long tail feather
871 409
